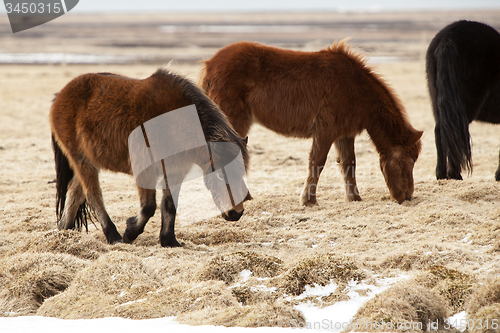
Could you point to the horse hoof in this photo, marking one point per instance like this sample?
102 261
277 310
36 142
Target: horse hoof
171 242
113 239
353 198
308 202
128 238
131 234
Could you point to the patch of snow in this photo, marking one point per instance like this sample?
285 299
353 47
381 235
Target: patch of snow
263 288
245 274
466 239
318 290
458 320
114 324
338 316
331 317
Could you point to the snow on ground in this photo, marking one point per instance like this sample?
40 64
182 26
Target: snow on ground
330 318
337 317
54 325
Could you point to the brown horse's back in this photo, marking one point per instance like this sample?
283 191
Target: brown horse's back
286 91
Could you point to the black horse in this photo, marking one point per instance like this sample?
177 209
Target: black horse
463 76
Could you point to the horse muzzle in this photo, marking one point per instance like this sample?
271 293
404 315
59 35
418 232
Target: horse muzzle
232 215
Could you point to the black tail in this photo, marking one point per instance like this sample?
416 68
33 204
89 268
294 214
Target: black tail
451 111
64 174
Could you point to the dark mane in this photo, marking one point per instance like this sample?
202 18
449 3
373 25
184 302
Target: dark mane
215 124
396 114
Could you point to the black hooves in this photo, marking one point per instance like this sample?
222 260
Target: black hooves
113 239
169 241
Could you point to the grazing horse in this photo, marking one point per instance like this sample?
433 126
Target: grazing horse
463 77
91 119
330 95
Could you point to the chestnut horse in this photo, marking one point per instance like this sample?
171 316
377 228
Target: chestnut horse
330 95
91 119
463 77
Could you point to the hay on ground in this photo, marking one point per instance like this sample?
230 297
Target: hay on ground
27 280
407 261
114 279
485 295
215 236
483 321
66 241
453 285
261 315
405 307
226 267
123 285
321 270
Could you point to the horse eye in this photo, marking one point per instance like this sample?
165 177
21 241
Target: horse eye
414 160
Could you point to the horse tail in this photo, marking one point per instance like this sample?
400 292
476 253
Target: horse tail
64 174
451 111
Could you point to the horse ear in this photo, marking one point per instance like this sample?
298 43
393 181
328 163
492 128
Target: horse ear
418 135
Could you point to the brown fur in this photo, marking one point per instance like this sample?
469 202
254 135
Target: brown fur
91 119
330 96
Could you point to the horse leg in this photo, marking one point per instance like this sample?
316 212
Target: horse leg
74 199
136 224
168 212
317 159
441 154
497 173
454 171
347 162
89 177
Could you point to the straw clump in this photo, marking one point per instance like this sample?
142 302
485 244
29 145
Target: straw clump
226 267
406 307
407 261
114 279
120 284
453 285
275 314
484 306
179 298
485 320
27 280
321 270
66 241
215 237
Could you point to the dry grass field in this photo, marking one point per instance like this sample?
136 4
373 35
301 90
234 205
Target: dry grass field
446 241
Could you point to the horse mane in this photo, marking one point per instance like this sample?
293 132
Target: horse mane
215 124
397 113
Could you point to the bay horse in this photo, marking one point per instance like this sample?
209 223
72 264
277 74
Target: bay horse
91 119
330 95
463 77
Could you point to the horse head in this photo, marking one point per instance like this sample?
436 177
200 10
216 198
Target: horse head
397 168
227 180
